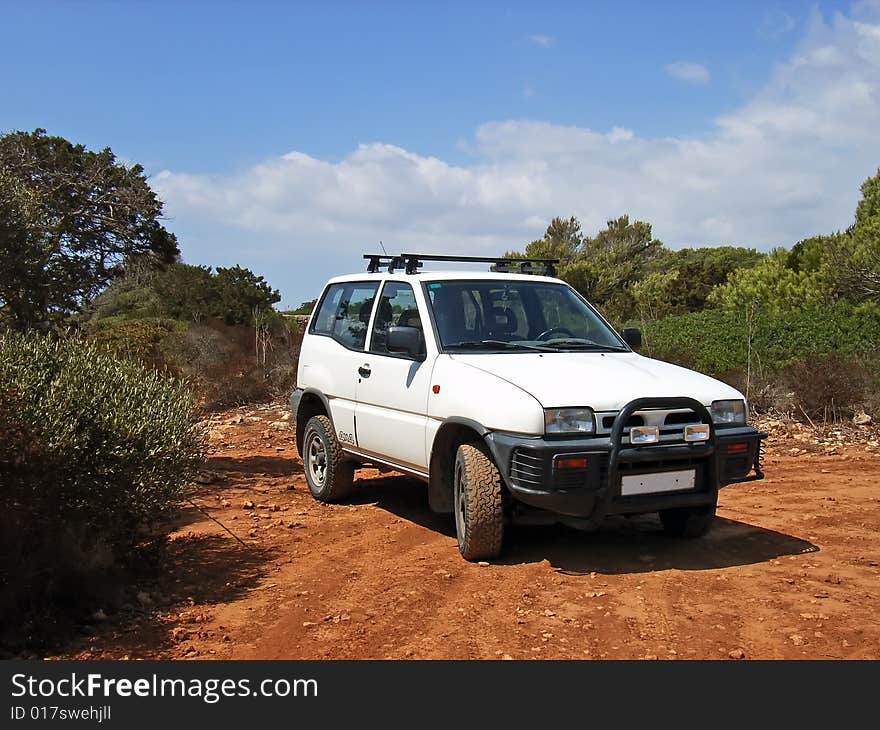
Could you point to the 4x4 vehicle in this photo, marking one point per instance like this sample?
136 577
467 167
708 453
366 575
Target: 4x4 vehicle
513 398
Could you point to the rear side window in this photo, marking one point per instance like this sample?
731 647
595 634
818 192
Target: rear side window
344 313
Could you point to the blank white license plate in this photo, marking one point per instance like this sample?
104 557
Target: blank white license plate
667 481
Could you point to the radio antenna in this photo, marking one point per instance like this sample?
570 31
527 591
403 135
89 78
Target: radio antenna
383 248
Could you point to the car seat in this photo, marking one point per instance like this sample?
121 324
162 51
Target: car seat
501 323
409 318
449 316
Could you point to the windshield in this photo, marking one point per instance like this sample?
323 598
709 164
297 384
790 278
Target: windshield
515 315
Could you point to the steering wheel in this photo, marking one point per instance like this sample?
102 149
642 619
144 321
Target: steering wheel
554 330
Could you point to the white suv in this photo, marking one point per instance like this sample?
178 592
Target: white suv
513 398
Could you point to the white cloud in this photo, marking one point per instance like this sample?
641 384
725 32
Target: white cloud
785 165
544 41
620 134
691 73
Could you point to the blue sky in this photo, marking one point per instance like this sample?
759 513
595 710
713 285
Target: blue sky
273 130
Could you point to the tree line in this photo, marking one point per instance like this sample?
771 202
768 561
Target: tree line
631 275
82 232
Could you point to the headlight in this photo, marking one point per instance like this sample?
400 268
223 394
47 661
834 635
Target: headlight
569 420
728 411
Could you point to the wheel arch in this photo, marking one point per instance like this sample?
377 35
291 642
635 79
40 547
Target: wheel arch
305 404
452 433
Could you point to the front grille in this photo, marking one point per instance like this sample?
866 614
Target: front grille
526 470
535 469
671 423
634 420
681 417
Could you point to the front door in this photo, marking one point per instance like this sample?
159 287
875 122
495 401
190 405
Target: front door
393 390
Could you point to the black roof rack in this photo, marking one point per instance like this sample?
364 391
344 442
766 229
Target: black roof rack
377 261
539 267
412 262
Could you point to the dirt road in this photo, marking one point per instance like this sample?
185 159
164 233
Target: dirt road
792 570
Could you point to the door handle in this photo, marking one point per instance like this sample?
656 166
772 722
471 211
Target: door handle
364 370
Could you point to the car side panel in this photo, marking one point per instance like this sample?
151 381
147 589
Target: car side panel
331 369
391 409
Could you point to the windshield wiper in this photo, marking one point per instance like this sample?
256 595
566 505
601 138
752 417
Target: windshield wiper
583 345
474 344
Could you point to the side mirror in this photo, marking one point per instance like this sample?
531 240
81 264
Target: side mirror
404 341
632 336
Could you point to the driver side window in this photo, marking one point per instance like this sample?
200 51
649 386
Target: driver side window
397 308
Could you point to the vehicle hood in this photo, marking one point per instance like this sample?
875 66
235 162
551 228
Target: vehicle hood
602 381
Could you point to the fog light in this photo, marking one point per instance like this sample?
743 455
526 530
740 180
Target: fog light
644 435
698 432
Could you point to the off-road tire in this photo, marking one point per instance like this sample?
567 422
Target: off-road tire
687 522
479 515
338 472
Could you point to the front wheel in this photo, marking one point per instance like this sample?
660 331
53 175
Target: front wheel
329 475
479 517
687 521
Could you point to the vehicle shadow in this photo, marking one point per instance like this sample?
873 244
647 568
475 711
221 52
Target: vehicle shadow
619 545
638 545
404 497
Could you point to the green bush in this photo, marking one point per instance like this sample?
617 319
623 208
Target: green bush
819 361
717 341
142 340
183 292
94 452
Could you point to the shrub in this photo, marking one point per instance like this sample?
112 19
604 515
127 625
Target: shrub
235 365
142 340
94 452
219 360
184 292
226 365
827 387
816 360
717 341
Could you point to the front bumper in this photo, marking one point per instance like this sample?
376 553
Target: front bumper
528 466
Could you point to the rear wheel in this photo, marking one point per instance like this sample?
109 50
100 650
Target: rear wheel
329 475
687 521
479 517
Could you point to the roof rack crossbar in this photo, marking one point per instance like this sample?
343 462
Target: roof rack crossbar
412 262
501 264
